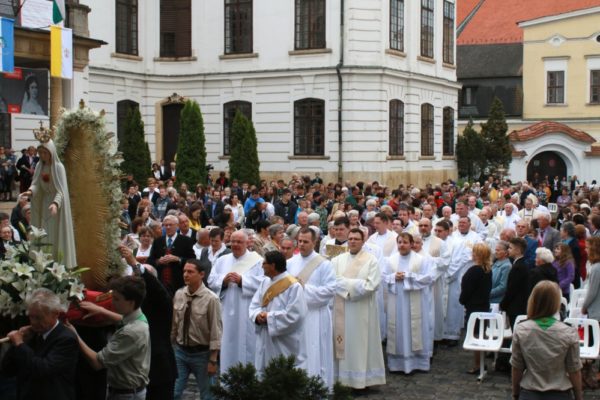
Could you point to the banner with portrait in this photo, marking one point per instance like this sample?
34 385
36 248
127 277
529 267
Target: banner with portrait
24 91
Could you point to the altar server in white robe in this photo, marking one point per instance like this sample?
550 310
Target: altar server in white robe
437 249
358 357
316 274
410 333
383 238
440 288
278 310
235 278
463 241
462 210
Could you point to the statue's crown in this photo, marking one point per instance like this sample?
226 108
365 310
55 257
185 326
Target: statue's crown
43 135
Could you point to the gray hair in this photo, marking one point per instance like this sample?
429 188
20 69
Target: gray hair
371 202
370 215
544 254
289 239
274 229
46 300
503 244
313 217
171 218
353 212
546 216
569 227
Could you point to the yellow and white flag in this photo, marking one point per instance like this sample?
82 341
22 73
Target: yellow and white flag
61 52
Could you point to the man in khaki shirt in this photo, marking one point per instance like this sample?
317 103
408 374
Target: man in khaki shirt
196 331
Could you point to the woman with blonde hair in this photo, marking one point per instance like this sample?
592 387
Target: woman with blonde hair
545 352
476 286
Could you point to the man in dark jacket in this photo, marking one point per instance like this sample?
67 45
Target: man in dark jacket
517 287
44 354
286 208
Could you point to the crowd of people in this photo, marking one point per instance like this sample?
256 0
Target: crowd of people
339 275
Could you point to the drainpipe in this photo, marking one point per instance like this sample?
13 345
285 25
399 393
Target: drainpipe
338 69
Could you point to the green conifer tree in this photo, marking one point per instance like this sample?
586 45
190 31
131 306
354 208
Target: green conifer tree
136 155
191 149
243 161
470 159
497 145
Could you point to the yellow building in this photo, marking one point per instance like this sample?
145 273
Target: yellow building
561 97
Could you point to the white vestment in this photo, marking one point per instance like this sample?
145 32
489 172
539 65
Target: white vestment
386 242
440 251
319 292
410 330
284 332
381 290
508 221
362 364
462 246
239 336
476 224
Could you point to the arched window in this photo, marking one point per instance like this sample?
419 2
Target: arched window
309 127
396 129
448 132
426 129
229 110
123 108
127 27
175 28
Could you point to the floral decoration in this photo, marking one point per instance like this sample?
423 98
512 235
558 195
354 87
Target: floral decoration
29 266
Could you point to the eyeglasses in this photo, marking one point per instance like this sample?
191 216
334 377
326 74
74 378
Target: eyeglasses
423 225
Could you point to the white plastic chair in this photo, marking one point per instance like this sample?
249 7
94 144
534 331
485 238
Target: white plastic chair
583 326
487 338
577 298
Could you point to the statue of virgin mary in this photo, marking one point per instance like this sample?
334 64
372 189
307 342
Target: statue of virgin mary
51 206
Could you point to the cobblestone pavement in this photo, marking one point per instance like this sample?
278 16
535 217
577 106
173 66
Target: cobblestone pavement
447 380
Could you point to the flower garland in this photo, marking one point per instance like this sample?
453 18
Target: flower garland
105 146
29 266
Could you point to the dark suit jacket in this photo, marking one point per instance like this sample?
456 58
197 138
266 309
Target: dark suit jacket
22 166
215 210
133 204
45 369
544 272
551 239
192 234
171 275
158 309
517 289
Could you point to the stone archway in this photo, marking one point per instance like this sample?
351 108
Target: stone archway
167 136
546 163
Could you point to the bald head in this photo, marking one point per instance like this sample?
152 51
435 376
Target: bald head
425 227
238 242
507 234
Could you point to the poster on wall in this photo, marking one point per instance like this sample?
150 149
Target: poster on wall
24 91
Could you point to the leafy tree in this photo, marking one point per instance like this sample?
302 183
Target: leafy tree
191 149
497 145
136 155
470 158
243 161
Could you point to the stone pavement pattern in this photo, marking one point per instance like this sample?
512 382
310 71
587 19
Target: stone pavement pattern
447 380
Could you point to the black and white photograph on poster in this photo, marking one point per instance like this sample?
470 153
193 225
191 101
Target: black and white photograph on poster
24 91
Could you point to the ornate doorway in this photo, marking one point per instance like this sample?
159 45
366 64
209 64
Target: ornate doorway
547 163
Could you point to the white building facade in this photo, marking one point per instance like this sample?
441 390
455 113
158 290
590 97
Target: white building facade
282 63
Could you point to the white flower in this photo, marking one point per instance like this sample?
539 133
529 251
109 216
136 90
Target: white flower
6 275
58 270
19 285
40 259
22 270
37 233
11 252
76 291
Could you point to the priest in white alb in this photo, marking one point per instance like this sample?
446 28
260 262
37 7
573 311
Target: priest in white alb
358 357
463 241
316 274
235 278
278 309
410 331
383 237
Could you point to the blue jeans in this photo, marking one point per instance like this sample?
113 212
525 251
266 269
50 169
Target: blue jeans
197 364
133 396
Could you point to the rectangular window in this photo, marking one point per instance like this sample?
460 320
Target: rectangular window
238 26
427 28
175 28
556 87
310 24
448 39
397 25
127 27
468 96
426 130
595 87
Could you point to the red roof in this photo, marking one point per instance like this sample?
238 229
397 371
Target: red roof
496 20
546 127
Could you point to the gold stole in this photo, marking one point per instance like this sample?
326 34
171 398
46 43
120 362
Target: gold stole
339 307
277 288
242 266
416 317
309 268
